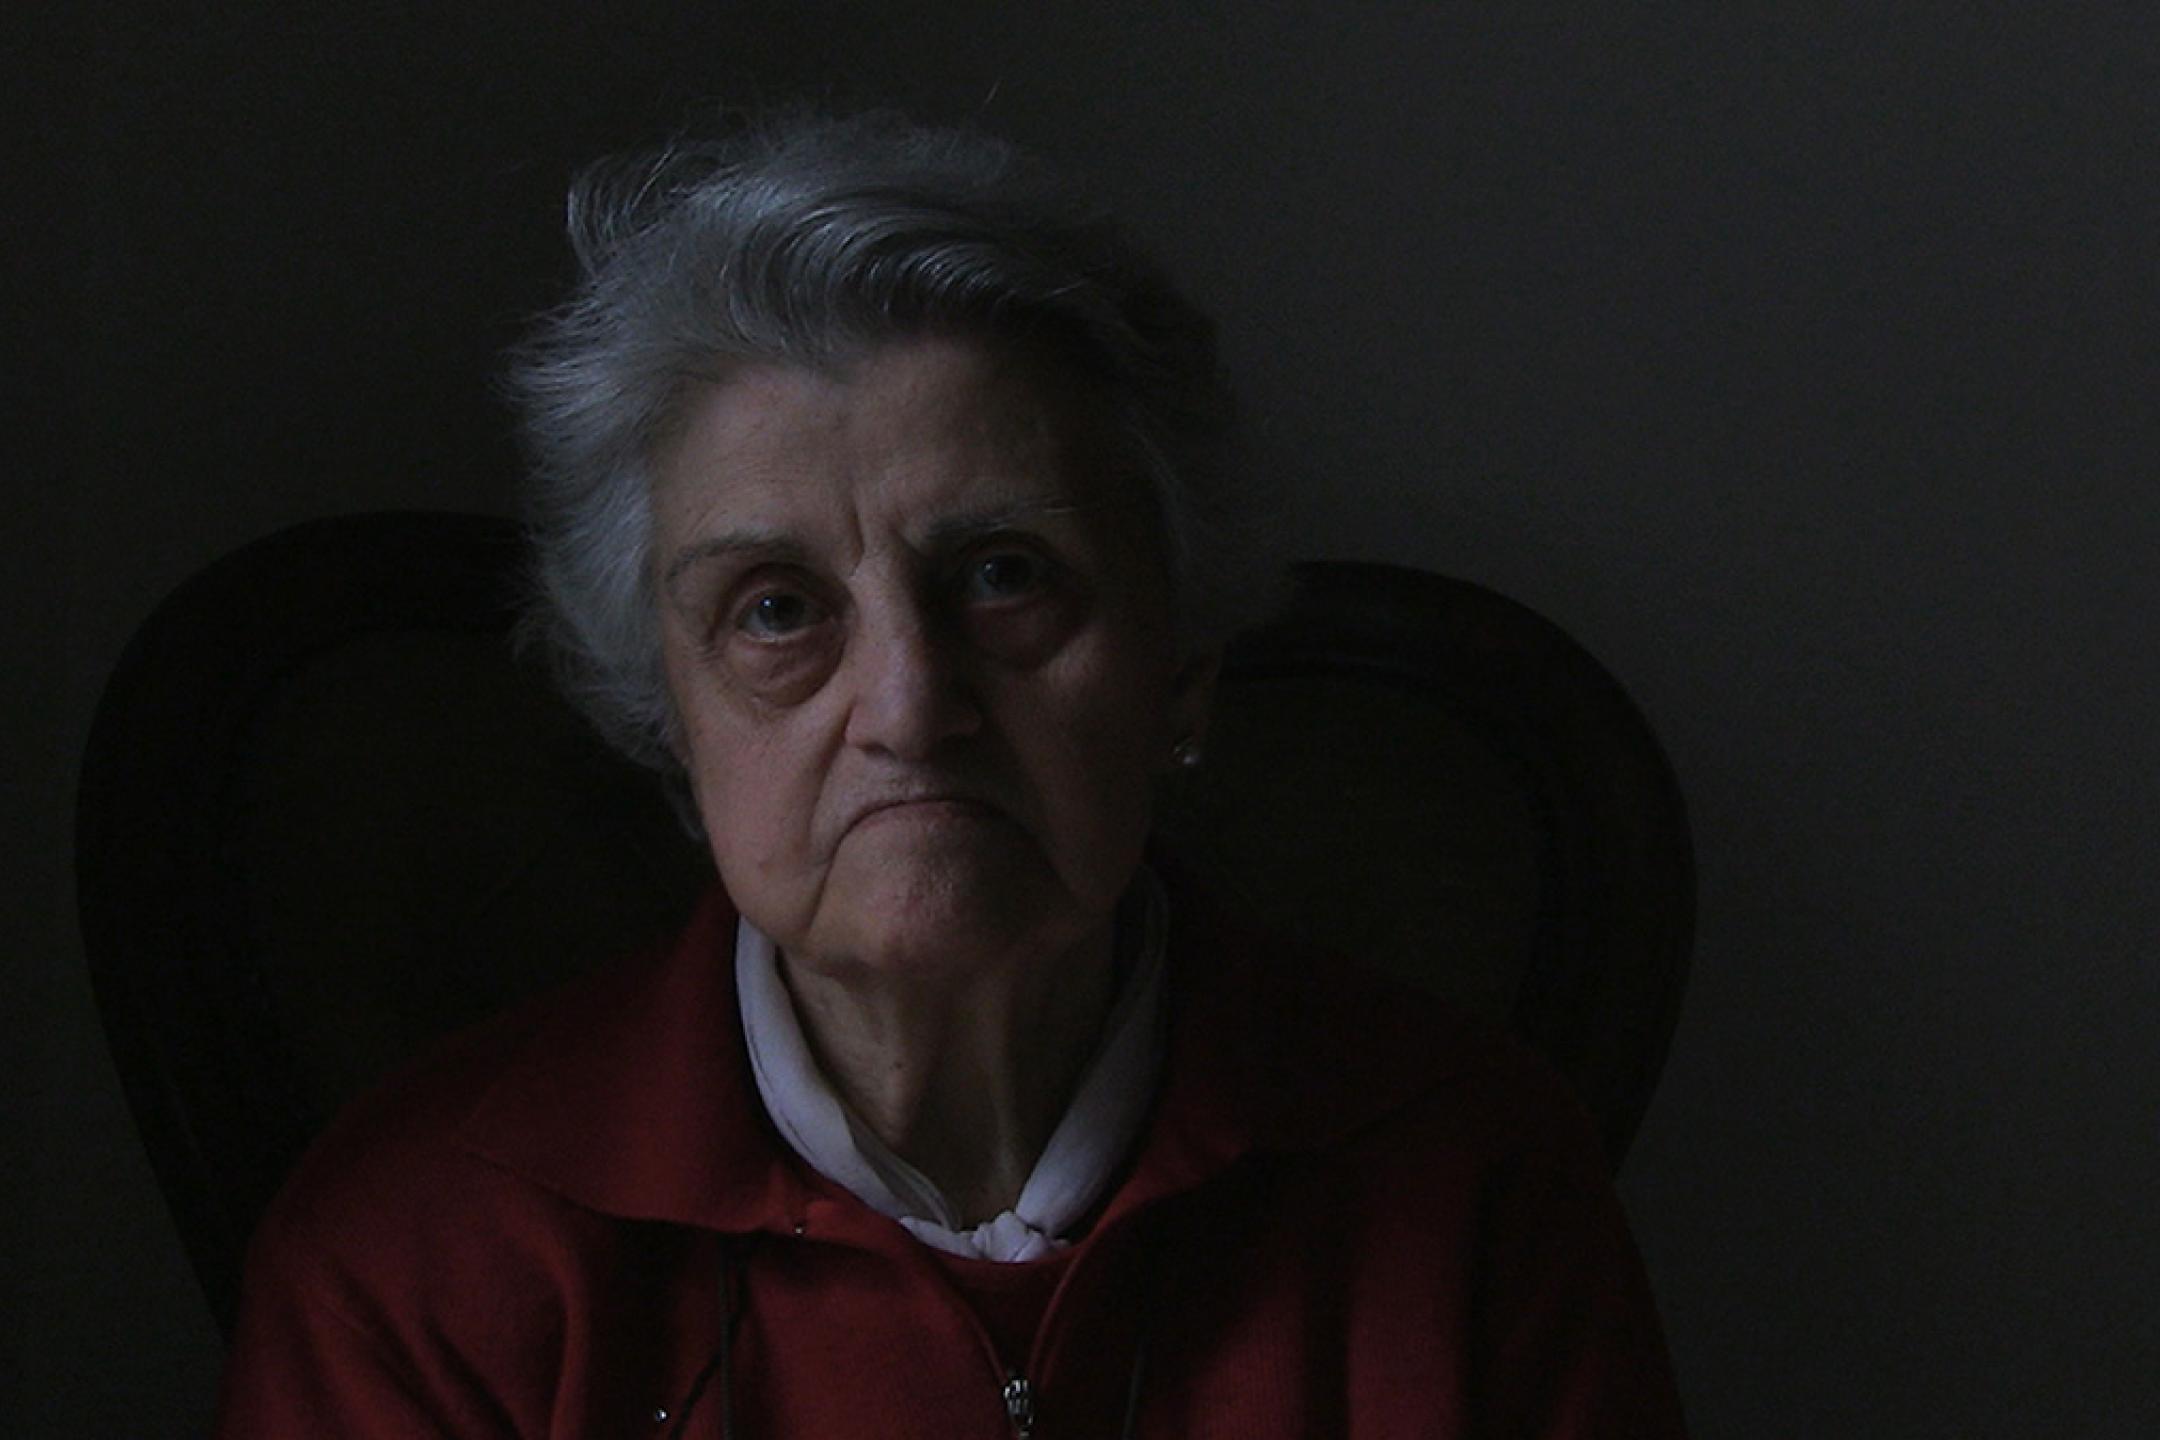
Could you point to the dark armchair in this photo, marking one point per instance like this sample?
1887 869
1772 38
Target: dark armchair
327 814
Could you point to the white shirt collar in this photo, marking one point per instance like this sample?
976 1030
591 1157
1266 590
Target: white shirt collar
1083 1152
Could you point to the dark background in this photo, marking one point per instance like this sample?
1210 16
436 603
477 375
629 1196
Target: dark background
1800 359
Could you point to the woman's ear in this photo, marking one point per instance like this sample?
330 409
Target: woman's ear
1192 698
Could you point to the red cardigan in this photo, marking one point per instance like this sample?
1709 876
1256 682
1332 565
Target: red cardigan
1354 1213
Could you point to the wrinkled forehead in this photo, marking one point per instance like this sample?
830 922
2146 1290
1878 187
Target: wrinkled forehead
934 430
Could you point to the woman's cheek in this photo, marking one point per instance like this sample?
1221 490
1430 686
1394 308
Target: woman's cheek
1025 635
774 676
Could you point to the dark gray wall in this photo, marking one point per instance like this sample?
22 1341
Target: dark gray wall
1800 359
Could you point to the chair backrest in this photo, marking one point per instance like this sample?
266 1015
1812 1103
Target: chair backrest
327 813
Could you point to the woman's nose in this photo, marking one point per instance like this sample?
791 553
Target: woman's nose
912 689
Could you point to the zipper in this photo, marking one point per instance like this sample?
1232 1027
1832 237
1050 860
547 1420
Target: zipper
1020 1405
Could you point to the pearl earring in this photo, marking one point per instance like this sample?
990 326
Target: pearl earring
1186 753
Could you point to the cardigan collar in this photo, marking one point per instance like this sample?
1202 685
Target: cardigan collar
631 1093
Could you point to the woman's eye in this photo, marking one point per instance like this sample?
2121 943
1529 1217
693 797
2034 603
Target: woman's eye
1002 576
777 614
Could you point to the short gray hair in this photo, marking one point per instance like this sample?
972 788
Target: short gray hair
808 240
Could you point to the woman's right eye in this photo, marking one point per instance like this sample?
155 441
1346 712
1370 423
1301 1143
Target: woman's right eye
778 614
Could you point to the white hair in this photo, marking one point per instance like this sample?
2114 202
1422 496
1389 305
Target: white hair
808 240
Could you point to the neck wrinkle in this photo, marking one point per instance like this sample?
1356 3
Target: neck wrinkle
1045 1179
968 1088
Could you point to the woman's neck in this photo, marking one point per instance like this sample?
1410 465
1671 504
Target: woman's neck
967 1081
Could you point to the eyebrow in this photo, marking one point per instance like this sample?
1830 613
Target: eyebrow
768 544
970 524
945 532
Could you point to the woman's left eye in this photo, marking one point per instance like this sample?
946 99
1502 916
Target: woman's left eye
1002 576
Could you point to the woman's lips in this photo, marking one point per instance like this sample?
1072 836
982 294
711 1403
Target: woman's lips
928 808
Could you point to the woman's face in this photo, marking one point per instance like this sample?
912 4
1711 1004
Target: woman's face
918 635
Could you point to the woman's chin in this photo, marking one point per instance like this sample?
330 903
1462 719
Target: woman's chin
926 916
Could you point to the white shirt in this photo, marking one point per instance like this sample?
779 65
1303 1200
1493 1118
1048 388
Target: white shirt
1083 1152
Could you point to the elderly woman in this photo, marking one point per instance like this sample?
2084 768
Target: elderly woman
879 503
